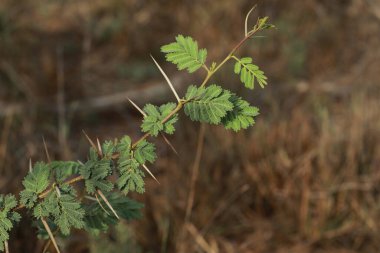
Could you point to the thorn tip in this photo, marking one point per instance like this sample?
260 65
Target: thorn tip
167 79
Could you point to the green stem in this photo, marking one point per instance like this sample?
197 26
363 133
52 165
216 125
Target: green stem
235 58
228 57
179 107
209 74
206 68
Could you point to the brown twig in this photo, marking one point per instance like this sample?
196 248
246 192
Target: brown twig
195 172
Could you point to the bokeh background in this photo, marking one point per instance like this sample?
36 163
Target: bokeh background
305 178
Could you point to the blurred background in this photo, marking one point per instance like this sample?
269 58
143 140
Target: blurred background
305 178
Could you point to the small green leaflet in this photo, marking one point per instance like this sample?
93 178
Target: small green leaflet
95 172
131 176
7 217
38 179
71 214
152 122
124 146
108 149
40 210
185 54
208 104
262 24
35 183
64 210
145 151
249 73
97 220
165 110
242 116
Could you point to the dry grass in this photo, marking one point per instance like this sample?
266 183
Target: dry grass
306 181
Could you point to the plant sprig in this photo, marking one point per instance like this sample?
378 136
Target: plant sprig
48 192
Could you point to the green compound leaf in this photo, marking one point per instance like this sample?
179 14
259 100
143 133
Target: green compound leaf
242 115
95 172
108 148
152 122
63 210
8 218
185 54
131 176
249 73
145 151
97 220
124 146
208 104
71 214
40 210
165 110
35 183
64 169
262 24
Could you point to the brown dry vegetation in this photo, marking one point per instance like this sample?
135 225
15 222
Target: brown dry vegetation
304 179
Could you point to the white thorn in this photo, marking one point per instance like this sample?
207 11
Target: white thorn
246 20
108 204
150 173
138 108
169 143
90 198
99 147
58 191
6 246
50 235
46 150
167 80
100 204
90 141
30 165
